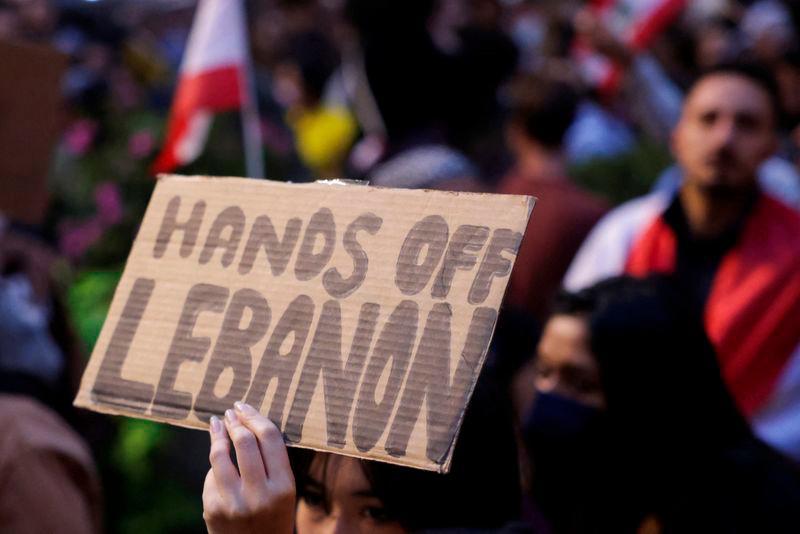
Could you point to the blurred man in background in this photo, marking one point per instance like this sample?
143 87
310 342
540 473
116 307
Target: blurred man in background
736 249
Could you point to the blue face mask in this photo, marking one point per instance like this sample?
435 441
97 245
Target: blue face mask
579 480
567 445
555 418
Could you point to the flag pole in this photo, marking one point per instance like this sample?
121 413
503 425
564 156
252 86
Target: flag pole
251 124
251 130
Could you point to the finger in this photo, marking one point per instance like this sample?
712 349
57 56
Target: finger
211 498
271 445
213 507
227 479
248 455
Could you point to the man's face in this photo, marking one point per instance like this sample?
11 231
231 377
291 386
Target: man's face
726 130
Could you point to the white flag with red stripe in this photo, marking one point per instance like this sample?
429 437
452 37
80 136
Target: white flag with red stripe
636 23
213 77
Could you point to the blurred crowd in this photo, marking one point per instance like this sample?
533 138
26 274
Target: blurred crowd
645 370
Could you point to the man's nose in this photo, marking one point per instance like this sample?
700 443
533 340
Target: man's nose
724 133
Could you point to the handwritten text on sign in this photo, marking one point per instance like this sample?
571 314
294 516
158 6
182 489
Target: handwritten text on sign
348 314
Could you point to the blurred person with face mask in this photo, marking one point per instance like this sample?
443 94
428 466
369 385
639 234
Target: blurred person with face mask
560 404
612 401
736 249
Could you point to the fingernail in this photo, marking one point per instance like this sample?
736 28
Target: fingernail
230 415
216 425
244 408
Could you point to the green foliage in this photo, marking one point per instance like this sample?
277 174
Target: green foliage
624 177
172 511
89 298
154 503
134 448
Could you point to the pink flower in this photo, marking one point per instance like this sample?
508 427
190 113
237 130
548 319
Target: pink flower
80 136
76 238
126 92
141 144
108 200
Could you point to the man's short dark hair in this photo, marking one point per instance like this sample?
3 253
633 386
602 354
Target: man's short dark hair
754 72
578 303
544 110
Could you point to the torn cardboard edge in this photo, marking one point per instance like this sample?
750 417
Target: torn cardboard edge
399 218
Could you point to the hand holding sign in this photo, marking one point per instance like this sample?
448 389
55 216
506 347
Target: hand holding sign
356 318
260 496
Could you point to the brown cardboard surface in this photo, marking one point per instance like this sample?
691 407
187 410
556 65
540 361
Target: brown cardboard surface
357 318
30 119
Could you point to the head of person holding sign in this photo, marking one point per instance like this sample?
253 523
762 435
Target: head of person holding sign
276 490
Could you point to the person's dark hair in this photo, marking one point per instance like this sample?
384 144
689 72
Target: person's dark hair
658 367
482 489
315 57
588 300
754 72
407 74
645 336
544 110
518 332
578 303
676 427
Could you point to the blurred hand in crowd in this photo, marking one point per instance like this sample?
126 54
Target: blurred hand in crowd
595 32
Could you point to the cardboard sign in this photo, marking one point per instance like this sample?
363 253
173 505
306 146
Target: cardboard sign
30 120
356 318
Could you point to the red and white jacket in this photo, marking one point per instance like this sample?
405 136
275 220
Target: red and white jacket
752 314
